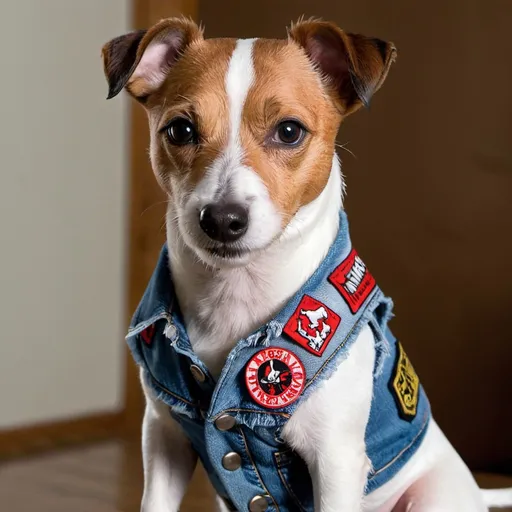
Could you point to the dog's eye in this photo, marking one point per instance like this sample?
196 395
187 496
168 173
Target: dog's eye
289 133
181 131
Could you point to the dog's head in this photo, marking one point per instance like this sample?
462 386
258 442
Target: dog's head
243 131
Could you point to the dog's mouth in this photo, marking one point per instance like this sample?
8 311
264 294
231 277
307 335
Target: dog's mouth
226 252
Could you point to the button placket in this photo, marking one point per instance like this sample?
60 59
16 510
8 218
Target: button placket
230 455
225 437
182 346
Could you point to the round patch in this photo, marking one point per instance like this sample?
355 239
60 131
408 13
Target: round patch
275 377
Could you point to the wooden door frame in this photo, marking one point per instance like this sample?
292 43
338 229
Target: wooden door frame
146 202
145 239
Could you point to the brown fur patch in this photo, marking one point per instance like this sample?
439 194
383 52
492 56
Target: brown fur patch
354 66
196 90
287 87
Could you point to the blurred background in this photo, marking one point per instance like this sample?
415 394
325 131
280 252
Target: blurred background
429 174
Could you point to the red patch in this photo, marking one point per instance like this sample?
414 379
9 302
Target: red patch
147 334
352 279
275 377
312 325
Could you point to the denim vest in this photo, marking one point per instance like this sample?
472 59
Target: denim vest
235 423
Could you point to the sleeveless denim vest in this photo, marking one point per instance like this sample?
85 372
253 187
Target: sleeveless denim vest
271 372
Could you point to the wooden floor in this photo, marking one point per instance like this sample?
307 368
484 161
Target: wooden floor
104 477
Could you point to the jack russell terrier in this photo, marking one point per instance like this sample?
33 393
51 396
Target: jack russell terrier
262 337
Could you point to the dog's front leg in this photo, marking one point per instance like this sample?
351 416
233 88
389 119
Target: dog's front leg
339 477
328 430
169 460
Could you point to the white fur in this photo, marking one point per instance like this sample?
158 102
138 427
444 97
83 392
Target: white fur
498 497
222 304
169 460
330 438
239 78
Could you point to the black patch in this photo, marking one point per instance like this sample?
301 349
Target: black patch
363 92
382 46
285 377
404 385
120 60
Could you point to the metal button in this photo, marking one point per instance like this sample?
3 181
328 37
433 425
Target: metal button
232 461
258 503
170 331
197 373
225 422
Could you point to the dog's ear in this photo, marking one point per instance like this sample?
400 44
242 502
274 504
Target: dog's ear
354 66
141 60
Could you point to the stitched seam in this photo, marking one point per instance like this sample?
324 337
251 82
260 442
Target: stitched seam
329 359
163 388
395 459
285 483
256 469
283 414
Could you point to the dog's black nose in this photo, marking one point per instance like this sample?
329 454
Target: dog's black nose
224 222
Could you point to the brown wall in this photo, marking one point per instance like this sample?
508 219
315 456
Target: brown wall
430 193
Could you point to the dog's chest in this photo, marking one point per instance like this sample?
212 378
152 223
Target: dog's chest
222 315
212 346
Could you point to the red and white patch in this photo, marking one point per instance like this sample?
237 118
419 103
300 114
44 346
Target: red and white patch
147 334
352 279
275 377
312 325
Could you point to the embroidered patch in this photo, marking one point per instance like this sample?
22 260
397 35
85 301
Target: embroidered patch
147 334
275 377
352 279
312 325
405 385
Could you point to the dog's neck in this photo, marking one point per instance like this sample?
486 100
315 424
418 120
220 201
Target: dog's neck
221 306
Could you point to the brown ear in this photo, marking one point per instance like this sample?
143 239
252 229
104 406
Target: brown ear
141 60
355 66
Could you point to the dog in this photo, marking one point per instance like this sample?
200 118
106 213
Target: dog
262 337
313 320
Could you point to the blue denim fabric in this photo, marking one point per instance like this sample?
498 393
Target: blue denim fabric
269 466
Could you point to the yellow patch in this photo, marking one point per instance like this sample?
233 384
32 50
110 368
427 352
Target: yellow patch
406 385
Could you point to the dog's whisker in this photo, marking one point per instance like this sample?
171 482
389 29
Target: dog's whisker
344 148
153 206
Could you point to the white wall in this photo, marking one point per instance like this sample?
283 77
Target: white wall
63 176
